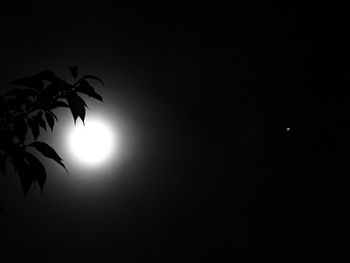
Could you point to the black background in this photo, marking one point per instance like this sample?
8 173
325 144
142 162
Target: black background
218 87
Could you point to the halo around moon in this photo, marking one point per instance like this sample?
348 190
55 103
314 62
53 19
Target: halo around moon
92 144
102 148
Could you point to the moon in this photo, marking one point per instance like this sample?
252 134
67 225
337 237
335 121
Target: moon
101 147
92 143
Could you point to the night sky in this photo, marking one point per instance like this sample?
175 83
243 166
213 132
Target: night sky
237 134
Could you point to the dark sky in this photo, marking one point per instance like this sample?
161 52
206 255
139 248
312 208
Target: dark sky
208 94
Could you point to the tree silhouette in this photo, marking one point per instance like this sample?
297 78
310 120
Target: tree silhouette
29 109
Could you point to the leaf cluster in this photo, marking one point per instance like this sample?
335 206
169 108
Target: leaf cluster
28 109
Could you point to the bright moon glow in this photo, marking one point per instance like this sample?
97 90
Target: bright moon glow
92 144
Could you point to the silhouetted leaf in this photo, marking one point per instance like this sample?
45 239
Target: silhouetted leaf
36 169
92 77
48 152
34 126
77 106
56 89
74 71
33 82
58 104
3 105
6 138
50 120
86 88
14 104
48 75
22 168
29 169
29 105
50 91
20 127
48 96
21 93
97 96
2 163
37 81
39 119
44 92
54 114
